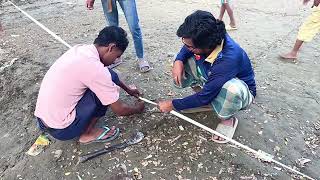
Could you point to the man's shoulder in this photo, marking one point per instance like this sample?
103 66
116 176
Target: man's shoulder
86 50
231 48
231 43
84 55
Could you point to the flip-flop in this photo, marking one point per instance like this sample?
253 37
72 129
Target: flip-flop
143 65
231 28
228 131
116 63
106 131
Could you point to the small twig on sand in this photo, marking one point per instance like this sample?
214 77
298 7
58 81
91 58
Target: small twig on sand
8 64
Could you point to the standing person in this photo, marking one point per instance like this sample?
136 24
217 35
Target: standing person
307 31
225 5
130 11
78 89
216 68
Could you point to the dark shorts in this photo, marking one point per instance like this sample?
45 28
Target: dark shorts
87 108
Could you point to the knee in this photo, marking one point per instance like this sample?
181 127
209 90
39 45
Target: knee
231 87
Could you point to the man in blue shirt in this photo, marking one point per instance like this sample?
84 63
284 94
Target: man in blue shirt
217 69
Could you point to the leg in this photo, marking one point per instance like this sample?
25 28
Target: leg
130 10
190 78
131 14
88 110
233 97
306 33
111 17
92 133
230 13
294 52
222 10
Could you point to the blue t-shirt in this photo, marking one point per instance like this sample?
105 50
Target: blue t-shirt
231 62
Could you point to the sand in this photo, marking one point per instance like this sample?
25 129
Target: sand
283 121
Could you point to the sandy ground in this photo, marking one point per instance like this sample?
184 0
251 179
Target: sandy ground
284 122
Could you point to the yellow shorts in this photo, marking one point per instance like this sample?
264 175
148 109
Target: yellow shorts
311 26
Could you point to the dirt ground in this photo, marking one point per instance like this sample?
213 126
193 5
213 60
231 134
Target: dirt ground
284 121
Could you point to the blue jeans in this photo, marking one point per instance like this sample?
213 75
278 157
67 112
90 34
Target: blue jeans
130 11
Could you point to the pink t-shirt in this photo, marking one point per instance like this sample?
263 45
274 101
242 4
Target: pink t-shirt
67 80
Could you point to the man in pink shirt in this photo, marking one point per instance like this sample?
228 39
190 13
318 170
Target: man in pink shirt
78 88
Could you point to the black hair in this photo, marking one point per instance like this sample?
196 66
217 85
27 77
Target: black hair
204 29
112 34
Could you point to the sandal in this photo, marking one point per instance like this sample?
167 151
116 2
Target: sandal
231 28
110 136
228 131
143 65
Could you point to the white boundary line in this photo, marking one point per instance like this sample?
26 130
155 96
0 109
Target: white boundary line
260 154
42 26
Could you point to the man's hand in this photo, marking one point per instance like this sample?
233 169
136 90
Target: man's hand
89 4
165 106
133 91
139 106
177 72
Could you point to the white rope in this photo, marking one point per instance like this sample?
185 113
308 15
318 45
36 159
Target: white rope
42 26
260 154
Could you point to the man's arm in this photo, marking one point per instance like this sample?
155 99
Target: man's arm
184 54
220 74
178 67
131 91
123 109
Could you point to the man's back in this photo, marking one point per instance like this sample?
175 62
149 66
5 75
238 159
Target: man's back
67 80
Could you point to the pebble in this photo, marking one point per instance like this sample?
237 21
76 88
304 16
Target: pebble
58 153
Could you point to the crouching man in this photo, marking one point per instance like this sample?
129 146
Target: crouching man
78 89
218 70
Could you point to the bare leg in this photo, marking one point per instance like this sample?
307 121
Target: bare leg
227 122
294 52
230 13
92 133
222 10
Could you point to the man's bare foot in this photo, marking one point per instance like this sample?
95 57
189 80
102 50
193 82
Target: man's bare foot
289 56
233 25
96 133
229 122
